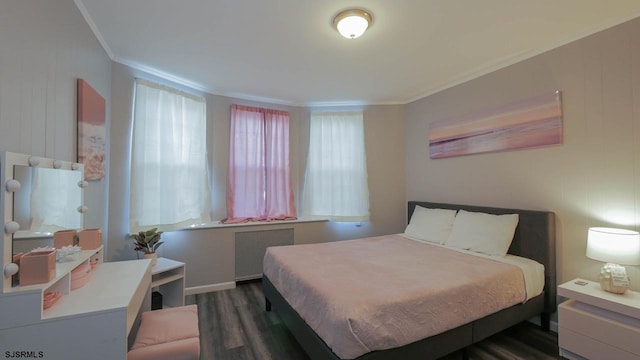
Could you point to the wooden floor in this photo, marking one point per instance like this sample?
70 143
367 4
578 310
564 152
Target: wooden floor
234 325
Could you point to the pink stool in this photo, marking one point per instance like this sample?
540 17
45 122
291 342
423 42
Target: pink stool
170 333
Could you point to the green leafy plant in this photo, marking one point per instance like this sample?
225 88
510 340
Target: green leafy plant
147 241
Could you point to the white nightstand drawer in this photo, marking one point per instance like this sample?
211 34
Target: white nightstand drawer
616 330
571 343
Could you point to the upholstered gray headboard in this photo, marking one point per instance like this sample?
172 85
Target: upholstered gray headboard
535 238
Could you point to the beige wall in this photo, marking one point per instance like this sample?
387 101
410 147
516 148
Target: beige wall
45 46
593 179
210 253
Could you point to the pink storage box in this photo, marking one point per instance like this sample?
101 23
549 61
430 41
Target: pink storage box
80 275
90 239
63 238
37 267
15 279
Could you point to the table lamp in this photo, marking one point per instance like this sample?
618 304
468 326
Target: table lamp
617 247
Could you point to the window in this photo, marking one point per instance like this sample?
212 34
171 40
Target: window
336 175
259 179
169 177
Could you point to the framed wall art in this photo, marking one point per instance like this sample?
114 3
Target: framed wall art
91 131
530 123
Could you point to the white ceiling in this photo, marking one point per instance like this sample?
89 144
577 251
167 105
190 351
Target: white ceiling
287 52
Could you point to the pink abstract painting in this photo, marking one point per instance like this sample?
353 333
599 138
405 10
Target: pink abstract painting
529 123
91 131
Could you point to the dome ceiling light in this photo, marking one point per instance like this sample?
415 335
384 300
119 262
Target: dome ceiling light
352 23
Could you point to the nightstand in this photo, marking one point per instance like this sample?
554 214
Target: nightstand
595 324
168 277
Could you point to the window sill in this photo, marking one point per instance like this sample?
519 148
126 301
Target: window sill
217 224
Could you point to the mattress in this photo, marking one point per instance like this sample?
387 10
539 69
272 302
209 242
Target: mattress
384 292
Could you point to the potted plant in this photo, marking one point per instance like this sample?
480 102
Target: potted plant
148 242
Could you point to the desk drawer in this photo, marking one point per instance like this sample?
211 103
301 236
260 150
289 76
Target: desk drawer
605 327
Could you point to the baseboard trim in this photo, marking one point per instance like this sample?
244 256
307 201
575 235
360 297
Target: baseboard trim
209 288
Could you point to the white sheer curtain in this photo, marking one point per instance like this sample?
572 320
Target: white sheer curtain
169 175
336 176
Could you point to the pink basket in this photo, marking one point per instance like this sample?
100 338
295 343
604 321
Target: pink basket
80 275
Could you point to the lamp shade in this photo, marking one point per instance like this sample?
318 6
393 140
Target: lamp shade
618 246
352 23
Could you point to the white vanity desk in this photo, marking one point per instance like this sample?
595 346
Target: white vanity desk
94 321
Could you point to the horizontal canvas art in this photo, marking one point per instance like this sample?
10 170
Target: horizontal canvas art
529 123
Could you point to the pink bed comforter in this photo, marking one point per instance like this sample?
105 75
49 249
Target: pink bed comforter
384 292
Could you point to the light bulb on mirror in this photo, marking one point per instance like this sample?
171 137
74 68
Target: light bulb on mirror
83 209
75 166
12 185
11 227
83 183
11 269
57 164
34 161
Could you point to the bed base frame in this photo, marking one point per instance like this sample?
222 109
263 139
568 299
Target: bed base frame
534 238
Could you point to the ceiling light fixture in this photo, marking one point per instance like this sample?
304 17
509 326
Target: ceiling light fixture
352 23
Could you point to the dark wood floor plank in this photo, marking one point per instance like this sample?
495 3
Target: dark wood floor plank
255 334
531 335
514 347
235 326
279 341
233 335
479 353
208 341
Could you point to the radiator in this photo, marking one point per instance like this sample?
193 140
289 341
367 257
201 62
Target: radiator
251 247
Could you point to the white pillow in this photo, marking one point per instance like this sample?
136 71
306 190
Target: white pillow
432 225
483 233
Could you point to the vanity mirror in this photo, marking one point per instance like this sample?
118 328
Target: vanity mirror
47 201
40 196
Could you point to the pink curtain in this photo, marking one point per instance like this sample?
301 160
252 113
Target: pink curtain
258 176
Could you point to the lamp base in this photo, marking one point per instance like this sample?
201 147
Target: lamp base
613 278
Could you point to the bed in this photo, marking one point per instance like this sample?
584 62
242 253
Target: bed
533 238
